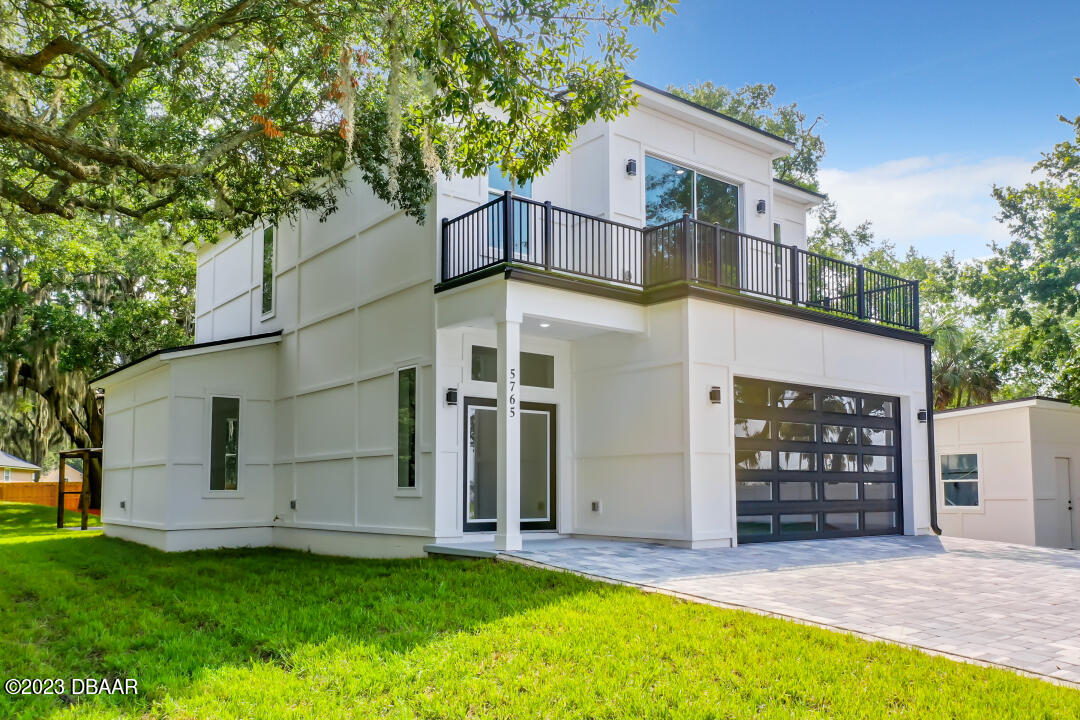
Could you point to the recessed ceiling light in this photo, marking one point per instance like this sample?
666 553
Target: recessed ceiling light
545 324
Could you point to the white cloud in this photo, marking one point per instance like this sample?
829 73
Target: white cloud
937 204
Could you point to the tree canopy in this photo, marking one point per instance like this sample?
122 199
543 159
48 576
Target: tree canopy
1030 286
229 110
76 299
755 104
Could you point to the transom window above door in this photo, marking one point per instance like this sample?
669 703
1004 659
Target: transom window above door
672 190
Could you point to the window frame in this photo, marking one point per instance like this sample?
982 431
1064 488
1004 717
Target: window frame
267 314
209 492
7 474
942 506
696 170
413 490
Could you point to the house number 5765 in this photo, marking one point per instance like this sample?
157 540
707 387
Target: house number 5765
511 399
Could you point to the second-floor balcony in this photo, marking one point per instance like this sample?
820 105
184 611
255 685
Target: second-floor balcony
512 230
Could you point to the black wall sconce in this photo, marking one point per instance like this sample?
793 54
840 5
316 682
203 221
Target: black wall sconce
922 416
761 207
451 396
714 395
631 167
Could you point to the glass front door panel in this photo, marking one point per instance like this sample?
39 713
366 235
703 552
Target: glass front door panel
482 468
537 466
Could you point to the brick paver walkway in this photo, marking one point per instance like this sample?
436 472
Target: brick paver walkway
1004 604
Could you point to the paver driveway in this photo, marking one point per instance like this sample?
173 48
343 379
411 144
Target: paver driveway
1005 604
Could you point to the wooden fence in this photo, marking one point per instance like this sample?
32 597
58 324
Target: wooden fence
39 493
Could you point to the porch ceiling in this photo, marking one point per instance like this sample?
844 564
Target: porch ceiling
542 311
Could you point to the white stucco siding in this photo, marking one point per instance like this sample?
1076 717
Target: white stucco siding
648 132
792 219
136 451
728 341
1055 437
245 373
364 310
631 430
1002 440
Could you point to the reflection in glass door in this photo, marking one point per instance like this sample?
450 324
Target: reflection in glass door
537 465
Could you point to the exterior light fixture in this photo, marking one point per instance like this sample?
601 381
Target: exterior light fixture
545 325
714 395
451 396
761 207
631 167
922 416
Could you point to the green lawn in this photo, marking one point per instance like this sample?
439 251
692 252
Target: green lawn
272 633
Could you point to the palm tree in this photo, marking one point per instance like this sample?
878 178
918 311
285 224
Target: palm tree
964 367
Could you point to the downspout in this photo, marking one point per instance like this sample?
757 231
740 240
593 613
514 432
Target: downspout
930 457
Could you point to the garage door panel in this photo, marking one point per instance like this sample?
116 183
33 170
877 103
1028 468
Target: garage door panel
815 462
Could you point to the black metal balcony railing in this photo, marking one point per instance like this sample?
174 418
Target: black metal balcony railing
512 229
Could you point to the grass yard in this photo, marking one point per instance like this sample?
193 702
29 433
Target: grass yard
273 633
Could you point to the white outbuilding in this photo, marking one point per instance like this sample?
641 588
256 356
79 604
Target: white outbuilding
1008 471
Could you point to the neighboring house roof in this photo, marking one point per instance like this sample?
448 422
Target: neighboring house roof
10 461
194 347
1029 401
714 113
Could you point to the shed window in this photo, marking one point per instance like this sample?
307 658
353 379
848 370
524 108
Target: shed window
224 443
960 476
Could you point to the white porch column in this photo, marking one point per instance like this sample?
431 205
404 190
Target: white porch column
508 525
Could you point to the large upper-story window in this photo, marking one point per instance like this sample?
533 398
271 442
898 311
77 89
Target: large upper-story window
672 190
268 272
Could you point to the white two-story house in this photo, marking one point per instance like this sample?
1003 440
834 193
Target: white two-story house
635 345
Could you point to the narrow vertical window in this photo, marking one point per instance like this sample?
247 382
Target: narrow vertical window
7 474
776 232
224 443
406 437
268 272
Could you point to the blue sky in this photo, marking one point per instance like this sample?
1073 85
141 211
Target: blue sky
926 104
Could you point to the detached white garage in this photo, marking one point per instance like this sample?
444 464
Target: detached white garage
1010 471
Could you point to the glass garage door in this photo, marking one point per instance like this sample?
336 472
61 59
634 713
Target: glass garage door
815 463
